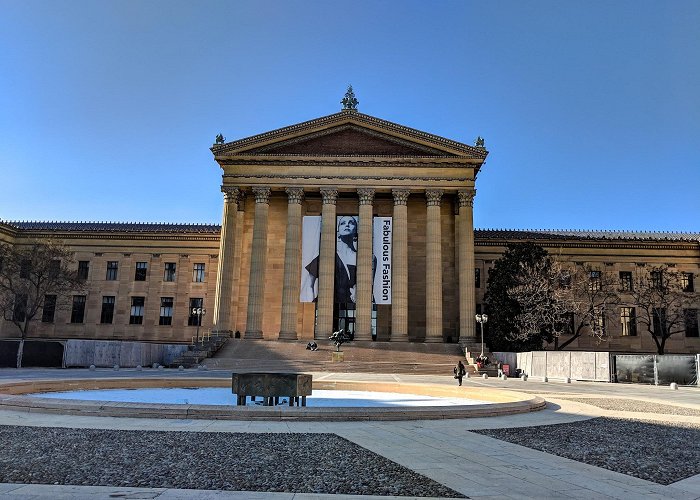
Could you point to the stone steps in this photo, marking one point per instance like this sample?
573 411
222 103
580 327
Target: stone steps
359 356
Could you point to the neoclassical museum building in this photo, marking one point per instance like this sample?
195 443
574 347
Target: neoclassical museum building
345 221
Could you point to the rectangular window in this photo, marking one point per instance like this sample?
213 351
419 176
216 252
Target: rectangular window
659 321
24 268
194 304
107 315
657 279
112 268
687 282
19 309
54 269
136 317
626 281
198 275
477 278
169 271
691 322
628 318
594 281
166 311
49 309
598 322
83 269
141 269
77 314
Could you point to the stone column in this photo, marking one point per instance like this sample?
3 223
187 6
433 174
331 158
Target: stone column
363 302
237 255
292 265
399 272
433 268
326 266
258 259
467 301
224 274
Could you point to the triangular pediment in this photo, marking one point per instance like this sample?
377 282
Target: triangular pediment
348 140
348 133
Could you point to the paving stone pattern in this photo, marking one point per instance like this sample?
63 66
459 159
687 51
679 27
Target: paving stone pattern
299 462
658 451
622 404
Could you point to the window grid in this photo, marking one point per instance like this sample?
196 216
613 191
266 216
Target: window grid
49 309
112 269
107 315
136 317
687 282
691 322
78 311
198 273
169 274
626 281
628 318
83 269
166 311
192 319
141 271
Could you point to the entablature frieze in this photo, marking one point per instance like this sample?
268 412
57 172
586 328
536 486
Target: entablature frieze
606 244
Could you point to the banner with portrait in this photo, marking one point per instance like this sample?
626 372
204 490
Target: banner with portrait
310 245
346 259
381 243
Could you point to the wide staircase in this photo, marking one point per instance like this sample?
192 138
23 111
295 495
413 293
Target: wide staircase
358 356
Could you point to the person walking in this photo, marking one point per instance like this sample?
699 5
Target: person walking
459 372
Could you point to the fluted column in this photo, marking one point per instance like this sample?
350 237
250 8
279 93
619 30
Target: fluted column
467 301
224 274
363 303
237 253
433 268
399 271
258 259
326 266
292 265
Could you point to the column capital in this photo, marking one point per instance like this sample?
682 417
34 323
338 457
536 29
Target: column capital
330 195
465 197
241 201
294 195
433 196
400 196
262 194
366 195
230 193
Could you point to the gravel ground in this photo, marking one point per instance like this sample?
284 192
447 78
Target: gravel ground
662 452
303 463
621 404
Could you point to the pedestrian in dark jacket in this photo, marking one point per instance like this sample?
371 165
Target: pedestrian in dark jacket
459 372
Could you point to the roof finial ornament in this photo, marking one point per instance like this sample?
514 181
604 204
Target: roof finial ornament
479 142
220 139
349 101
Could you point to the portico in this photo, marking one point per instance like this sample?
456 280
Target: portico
351 165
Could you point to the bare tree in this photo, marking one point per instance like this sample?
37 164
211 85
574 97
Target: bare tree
28 275
662 300
561 300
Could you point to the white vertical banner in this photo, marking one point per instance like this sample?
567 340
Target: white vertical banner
381 243
310 245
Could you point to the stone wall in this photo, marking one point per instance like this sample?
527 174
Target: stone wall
107 353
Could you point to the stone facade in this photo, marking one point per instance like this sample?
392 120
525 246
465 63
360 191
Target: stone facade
347 163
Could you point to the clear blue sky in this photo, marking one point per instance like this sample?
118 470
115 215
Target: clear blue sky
590 109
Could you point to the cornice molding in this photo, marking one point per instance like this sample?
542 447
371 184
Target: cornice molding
346 177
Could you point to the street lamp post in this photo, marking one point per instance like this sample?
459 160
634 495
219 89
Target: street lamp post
481 319
199 312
